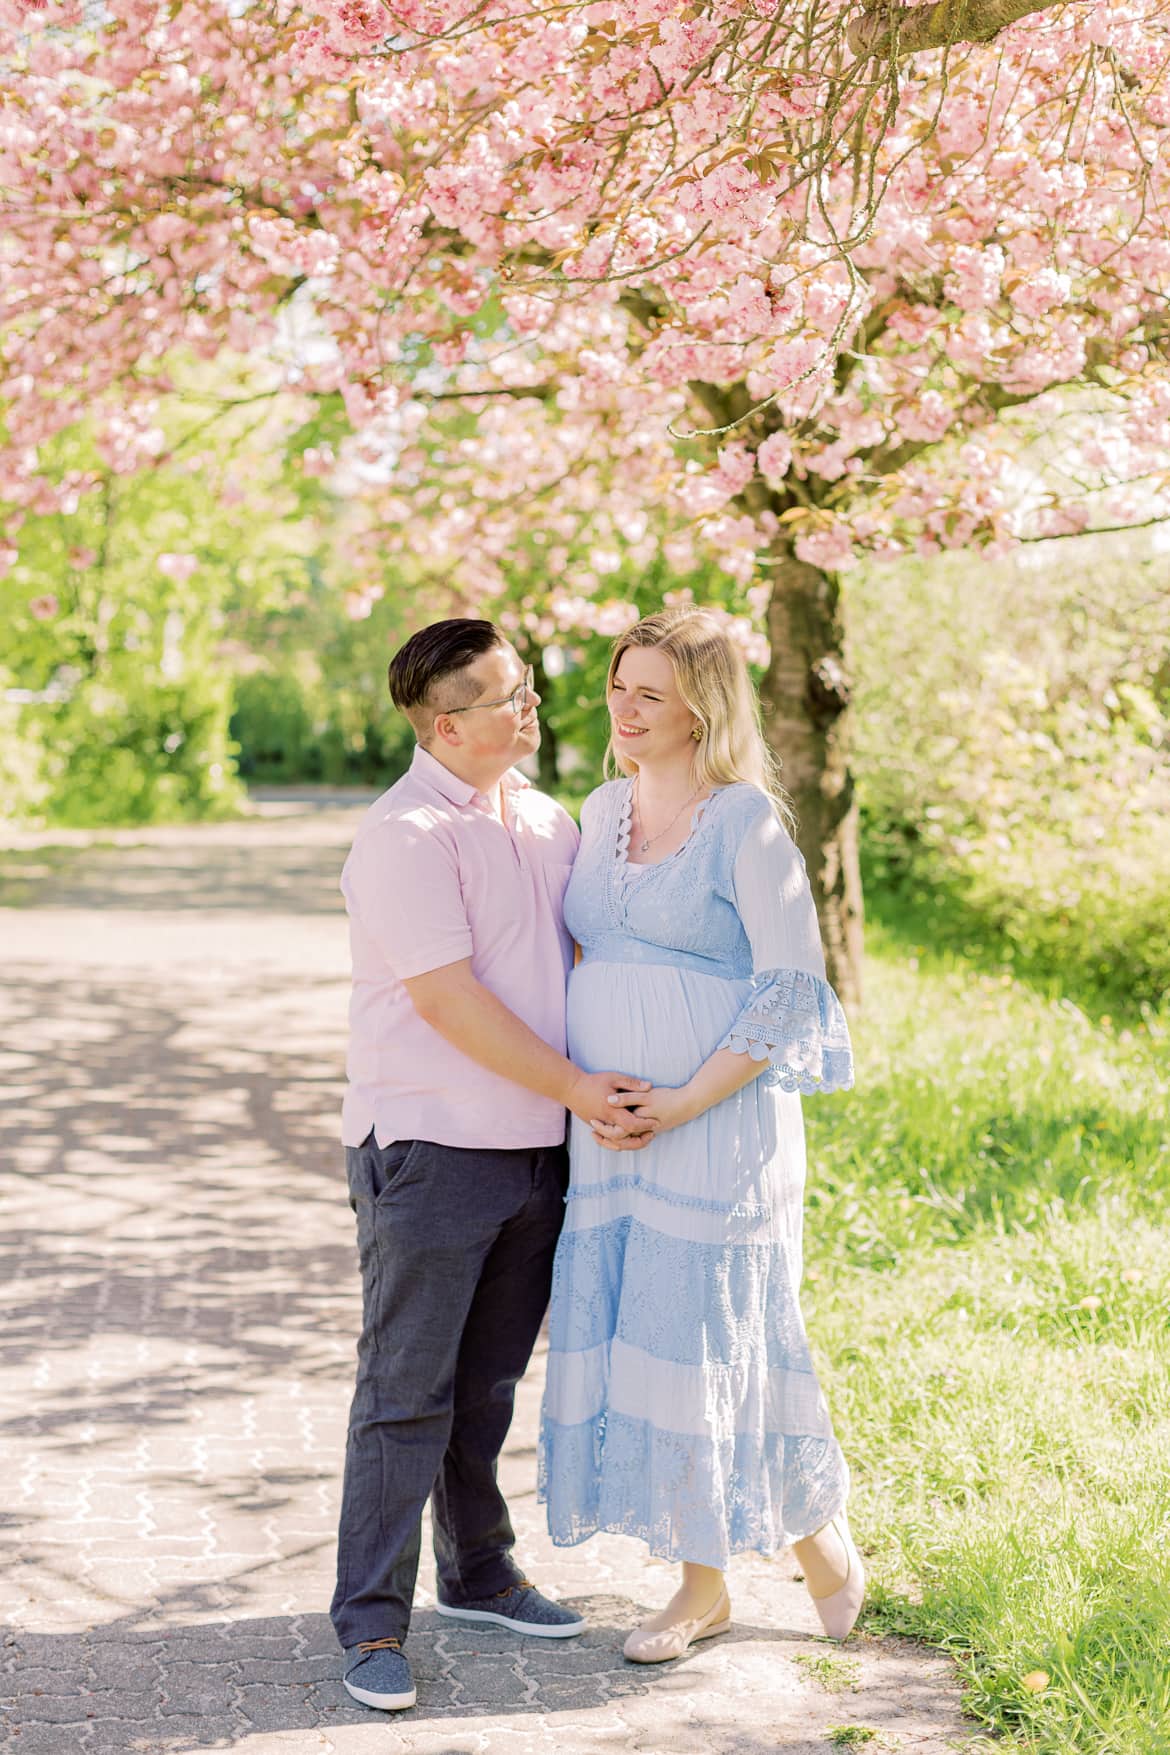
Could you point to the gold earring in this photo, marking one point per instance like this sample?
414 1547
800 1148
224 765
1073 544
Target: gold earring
697 733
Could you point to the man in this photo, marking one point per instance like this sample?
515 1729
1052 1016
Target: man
454 1127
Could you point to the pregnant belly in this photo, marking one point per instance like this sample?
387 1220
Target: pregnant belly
648 1020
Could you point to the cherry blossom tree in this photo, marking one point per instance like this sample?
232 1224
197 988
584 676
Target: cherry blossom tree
769 283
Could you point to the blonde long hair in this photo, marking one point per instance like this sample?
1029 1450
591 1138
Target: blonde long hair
712 678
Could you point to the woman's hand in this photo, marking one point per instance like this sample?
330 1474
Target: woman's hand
663 1107
586 1098
666 1106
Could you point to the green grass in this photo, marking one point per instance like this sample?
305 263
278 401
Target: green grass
1110 956
835 1674
989 1288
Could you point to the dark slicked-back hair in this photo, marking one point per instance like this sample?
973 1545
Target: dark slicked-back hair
429 673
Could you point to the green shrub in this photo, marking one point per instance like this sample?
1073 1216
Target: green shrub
147 753
1011 733
296 721
23 782
272 726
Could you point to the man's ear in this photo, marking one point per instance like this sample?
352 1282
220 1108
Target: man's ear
447 730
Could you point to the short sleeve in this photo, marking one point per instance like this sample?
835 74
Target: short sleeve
402 887
793 1018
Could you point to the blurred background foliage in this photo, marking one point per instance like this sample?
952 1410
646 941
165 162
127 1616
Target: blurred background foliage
1013 752
218 622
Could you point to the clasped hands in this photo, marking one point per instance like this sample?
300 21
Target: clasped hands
642 1109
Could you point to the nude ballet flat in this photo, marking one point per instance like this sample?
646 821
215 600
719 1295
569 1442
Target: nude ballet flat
646 1647
839 1610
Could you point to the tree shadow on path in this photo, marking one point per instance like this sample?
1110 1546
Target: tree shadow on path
165 1682
179 1292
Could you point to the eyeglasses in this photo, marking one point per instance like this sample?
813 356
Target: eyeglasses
517 700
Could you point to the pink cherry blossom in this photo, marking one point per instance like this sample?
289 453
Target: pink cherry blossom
1040 292
318 459
178 567
358 24
927 417
734 467
829 547
682 45
974 276
774 457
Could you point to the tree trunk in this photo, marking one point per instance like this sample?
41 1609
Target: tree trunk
805 697
548 755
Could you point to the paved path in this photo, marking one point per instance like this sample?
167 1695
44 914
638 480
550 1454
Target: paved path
176 1339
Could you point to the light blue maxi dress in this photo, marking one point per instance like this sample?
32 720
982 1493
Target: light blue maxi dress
681 1403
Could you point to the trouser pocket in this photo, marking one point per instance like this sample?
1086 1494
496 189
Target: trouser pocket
373 1172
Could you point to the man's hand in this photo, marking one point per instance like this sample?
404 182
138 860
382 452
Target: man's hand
661 1108
621 1141
588 1099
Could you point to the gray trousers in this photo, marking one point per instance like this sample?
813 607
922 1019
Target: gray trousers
456 1251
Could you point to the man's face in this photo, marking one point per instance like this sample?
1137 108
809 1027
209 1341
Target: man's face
495 732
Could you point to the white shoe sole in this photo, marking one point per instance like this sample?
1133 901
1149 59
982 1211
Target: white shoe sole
530 1627
384 1702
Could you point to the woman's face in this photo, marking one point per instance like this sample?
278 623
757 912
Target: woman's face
650 720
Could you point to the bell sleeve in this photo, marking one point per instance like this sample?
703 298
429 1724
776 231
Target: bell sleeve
793 1018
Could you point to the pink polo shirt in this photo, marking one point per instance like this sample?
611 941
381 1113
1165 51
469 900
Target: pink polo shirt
433 877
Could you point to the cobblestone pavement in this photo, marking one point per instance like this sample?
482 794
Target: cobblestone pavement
179 1312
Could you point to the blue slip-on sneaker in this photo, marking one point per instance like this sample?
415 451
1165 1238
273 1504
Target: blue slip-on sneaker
377 1673
522 1609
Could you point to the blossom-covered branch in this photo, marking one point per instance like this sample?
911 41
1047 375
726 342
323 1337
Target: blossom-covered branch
511 239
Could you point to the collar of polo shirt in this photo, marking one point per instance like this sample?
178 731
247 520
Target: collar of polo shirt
458 791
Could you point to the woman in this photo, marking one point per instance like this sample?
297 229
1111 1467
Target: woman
681 1403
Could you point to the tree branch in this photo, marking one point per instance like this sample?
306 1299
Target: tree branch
908 30
541 392
1099 530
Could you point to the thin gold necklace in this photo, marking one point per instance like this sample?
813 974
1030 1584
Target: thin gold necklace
645 845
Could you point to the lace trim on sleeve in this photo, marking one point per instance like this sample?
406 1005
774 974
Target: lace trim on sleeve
794 1020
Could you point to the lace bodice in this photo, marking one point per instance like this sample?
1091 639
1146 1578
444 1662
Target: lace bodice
684 904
